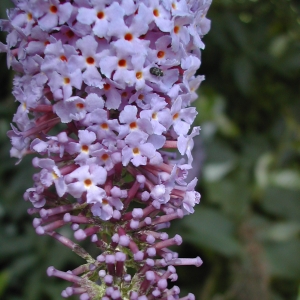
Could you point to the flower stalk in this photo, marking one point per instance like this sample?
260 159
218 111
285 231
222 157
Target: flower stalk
105 89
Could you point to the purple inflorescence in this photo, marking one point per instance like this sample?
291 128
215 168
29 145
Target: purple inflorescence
105 88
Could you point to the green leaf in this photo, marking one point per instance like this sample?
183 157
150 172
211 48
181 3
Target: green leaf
12 246
279 45
243 74
261 169
281 231
210 229
4 279
215 172
232 193
289 179
282 202
284 259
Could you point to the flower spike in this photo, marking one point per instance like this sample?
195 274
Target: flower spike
104 91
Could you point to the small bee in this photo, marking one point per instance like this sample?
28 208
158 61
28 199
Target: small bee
156 71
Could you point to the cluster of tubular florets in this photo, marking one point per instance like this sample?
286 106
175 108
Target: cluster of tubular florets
105 88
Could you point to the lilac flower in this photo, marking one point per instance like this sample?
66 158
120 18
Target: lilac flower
86 71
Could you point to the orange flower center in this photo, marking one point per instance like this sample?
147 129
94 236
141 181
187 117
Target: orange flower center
63 58
160 54
156 12
90 60
106 86
29 16
135 150
104 126
133 125
70 34
88 182
54 175
84 148
176 29
67 80
105 157
175 116
128 37
122 63
53 9
80 105
100 15
139 75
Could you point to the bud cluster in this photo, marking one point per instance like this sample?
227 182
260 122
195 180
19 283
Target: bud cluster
105 88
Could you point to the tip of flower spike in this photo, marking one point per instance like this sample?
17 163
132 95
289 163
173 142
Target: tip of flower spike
171 269
176 290
137 213
150 239
116 192
164 236
110 259
36 222
150 262
79 235
178 239
116 294
40 230
108 279
133 295
35 162
64 294
124 240
120 256
145 196
50 271
69 291
199 261
115 238
101 258
150 276
67 217
156 293
151 251
116 215
138 256
191 296
140 178
94 238
148 221
43 213
84 296
162 284
134 224
127 278
180 213
75 226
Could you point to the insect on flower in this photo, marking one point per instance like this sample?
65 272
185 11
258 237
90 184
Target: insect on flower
156 71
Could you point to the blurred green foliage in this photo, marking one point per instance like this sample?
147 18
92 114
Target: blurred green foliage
247 228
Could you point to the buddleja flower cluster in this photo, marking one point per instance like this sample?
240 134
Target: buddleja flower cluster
104 88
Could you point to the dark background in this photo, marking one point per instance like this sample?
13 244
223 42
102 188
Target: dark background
247 228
